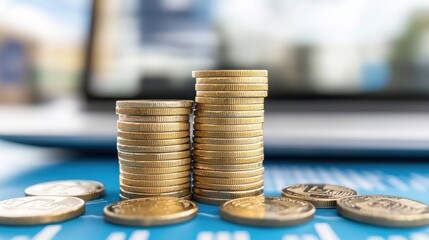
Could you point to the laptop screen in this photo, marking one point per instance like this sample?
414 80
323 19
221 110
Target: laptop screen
329 48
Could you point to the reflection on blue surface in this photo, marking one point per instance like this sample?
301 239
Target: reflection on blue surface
398 179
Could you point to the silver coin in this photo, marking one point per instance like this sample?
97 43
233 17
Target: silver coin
84 189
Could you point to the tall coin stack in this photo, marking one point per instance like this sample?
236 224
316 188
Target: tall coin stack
228 134
154 148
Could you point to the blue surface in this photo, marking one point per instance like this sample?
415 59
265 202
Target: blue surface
404 179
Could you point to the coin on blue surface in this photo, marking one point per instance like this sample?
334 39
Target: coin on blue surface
267 211
40 210
151 211
84 189
383 210
320 195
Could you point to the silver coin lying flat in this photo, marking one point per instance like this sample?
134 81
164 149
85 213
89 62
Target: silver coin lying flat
84 189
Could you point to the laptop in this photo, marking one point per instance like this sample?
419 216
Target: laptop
337 87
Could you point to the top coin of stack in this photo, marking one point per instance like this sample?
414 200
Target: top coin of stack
228 144
154 148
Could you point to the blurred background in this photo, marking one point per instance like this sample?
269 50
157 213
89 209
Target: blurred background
82 49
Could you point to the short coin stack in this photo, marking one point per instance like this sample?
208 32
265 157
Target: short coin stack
228 134
154 148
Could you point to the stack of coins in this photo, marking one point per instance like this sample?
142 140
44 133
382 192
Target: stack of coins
228 127
154 148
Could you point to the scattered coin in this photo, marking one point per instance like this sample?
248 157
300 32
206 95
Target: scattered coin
320 195
35 210
150 211
390 211
267 211
84 189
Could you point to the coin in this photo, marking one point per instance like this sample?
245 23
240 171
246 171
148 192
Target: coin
141 170
228 174
155 190
232 154
228 141
228 167
179 194
230 94
234 114
188 197
229 73
150 211
153 156
156 103
267 211
156 176
228 181
242 107
154 183
211 134
320 195
153 142
229 101
231 87
208 200
40 210
229 120
154 149
228 128
137 118
153 127
232 80
155 164
154 111
228 194
383 210
84 189
216 147
150 136
228 161
235 187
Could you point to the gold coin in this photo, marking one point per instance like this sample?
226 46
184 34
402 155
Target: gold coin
153 127
267 211
156 176
231 94
235 187
229 73
232 80
140 170
153 149
211 134
229 101
234 114
83 189
136 118
156 183
231 154
229 120
155 164
154 111
228 161
209 200
228 181
228 167
153 142
178 194
231 87
228 128
228 194
382 210
40 210
154 190
216 147
228 174
153 156
122 198
156 103
215 107
150 211
228 141
150 136
320 195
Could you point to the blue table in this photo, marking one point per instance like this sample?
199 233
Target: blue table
23 166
